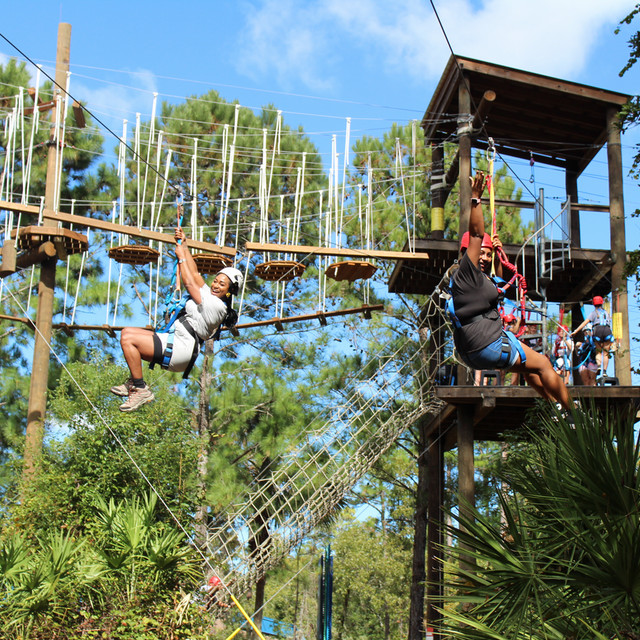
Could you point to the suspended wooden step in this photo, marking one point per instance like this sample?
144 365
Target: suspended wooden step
208 263
351 270
279 270
134 254
65 241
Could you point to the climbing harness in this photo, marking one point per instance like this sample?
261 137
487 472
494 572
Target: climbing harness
508 338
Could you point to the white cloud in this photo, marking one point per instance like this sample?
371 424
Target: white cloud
288 40
312 42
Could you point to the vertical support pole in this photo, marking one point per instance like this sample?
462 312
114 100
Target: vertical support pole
437 192
46 287
464 145
571 185
435 467
464 175
619 301
466 483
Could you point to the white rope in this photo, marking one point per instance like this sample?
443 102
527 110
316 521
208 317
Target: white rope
149 305
225 143
33 269
122 171
113 220
225 212
155 310
369 211
66 280
21 127
154 217
299 198
35 121
237 234
164 184
194 189
246 271
414 155
399 166
136 150
75 301
344 170
152 132
115 306
58 141
276 145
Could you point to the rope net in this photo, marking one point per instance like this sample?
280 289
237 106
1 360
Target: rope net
306 485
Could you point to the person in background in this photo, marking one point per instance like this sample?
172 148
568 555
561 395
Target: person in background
586 354
562 352
602 334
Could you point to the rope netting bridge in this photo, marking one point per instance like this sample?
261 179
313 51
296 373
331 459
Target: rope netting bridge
307 483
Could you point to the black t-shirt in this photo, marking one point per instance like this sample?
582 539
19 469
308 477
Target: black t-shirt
475 294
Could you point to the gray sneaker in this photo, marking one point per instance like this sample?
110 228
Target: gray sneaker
123 390
137 398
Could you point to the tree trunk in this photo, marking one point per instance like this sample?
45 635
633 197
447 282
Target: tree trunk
418 569
259 543
206 442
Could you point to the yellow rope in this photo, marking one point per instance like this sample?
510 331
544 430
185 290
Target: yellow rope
491 154
247 618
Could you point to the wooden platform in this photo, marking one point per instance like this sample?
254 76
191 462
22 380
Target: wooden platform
66 242
587 274
499 410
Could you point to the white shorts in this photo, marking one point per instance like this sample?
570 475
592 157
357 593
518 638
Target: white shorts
183 345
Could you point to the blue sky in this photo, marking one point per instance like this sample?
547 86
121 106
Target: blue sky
320 62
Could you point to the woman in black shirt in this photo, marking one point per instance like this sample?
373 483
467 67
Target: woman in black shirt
479 337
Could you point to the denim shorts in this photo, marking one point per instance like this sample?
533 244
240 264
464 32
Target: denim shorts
489 356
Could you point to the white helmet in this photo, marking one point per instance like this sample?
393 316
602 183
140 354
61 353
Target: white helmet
235 275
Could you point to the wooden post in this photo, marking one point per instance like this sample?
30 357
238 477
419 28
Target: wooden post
466 483
464 152
619 302
46 287
437 192
571 184
464 146
435 587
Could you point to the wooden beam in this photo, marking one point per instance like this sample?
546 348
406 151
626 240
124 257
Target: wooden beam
333 251
247 325
586 285
598 208
45 251
105 225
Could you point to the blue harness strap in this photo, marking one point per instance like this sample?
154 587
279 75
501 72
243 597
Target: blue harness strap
509 339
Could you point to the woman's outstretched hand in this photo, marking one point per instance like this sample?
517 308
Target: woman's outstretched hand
477 184
179 235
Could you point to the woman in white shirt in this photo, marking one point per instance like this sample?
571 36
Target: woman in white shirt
177 349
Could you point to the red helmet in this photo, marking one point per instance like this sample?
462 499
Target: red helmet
509 318
486 241
597 301
214 581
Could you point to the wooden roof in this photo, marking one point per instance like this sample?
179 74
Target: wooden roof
562 123
585 275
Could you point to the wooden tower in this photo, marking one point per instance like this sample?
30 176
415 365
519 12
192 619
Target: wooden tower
527 115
